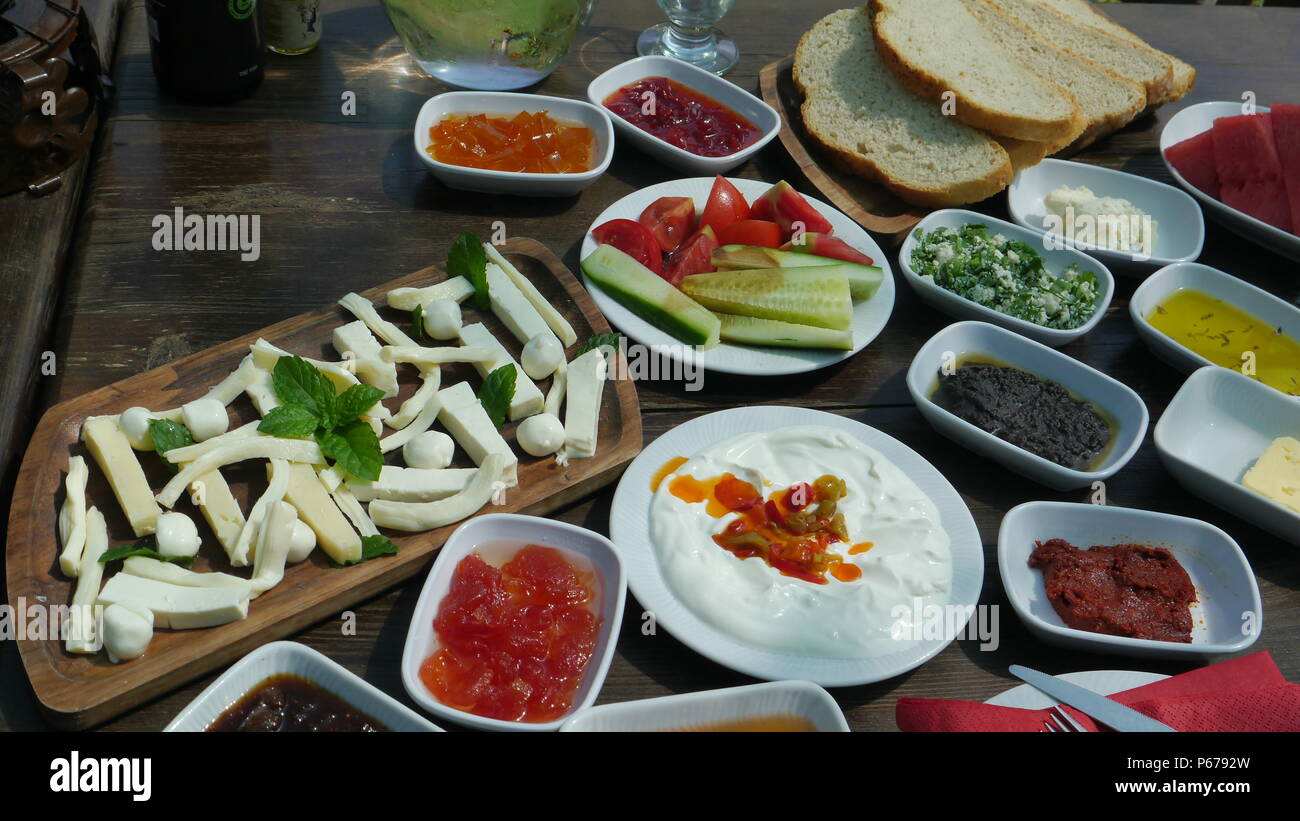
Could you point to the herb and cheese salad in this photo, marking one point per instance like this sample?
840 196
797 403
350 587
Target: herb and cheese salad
1004 274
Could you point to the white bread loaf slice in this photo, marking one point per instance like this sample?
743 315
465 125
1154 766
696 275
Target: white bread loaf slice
1085 12
1023 153
862 116
1132 61
935 47
1108 101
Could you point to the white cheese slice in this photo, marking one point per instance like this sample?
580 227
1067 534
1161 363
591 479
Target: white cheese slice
219 507
82 634
528 398
361 308
457 289
413 516
254 447
116 459
191 452
420 355
422 422
354 511
307 493
245 547
339 374
228 389
354 340
176 606
159 571
273 542
431 381
555 396
72 517
586 383
513 308
412 484
262 393
464 418
563 330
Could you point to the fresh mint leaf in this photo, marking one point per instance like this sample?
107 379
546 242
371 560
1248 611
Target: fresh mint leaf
417 323
498 392
289 422
354 401
372 547
599 340
467 259
298 382
148 547
355 448
168 435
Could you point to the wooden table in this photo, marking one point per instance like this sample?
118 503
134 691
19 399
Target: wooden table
345 204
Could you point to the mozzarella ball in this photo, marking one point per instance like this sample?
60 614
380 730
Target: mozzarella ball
128 629
541 434
134 423
542 355
431 449
177 535
302 542
442 319
205 418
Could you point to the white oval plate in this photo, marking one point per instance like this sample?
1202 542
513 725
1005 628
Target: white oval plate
710 707
869 316
1192 121
1106 682
629 522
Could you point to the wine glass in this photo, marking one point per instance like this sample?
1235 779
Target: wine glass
690 36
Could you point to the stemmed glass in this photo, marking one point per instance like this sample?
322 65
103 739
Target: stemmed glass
690 36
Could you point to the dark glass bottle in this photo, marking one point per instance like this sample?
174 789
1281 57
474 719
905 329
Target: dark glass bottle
206 50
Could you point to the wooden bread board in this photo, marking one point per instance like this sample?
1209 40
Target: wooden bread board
869 204
82 690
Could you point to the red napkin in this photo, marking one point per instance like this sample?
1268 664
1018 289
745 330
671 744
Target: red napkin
1246 694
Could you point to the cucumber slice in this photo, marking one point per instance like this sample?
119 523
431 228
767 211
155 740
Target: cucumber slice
805 296
749 330
864 280
649 296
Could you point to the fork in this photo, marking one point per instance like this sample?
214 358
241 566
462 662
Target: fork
1061 722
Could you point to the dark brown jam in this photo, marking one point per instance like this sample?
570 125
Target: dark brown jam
1035 414
291 704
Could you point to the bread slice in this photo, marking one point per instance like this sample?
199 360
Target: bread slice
1085 12
1023 153
862 116
939 51
1108 101
1133 61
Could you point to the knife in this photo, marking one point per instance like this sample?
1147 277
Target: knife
1108 711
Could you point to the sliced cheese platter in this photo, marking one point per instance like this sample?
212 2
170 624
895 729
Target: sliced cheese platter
99 475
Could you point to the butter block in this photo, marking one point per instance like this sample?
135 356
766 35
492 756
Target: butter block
1276 473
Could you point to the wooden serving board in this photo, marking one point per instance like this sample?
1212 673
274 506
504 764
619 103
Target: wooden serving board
77 690
869 204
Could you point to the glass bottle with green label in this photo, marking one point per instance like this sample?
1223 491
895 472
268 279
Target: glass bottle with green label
206 50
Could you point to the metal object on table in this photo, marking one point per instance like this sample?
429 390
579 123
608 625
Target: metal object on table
1059 721
1107 711
51 90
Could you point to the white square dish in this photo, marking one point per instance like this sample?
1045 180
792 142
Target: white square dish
1212 432
763 116
492 532
505 103
801 699
1125 409
960 307
1225 584
297 659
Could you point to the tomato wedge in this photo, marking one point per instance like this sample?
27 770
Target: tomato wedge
789 207
725 205
751 232
670 220
821 245
633 239
695 256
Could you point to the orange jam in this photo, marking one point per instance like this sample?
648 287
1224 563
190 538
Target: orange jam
665 470
792 530
534 143
515 640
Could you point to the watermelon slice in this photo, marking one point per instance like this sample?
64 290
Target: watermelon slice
1286 134
1250 173
1194 159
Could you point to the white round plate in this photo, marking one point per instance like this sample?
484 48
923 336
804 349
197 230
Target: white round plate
1106 682
869 316
629 523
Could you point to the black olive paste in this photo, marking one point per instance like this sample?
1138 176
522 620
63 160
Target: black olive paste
291 704
1036 414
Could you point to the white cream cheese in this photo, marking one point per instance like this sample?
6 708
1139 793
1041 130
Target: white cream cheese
1106 222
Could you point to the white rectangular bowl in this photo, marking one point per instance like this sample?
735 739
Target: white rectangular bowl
763 116
683 712
506 103
1212 432
581 545
960 307
1180 228
281 657
1225 584
1125 409
1236 292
